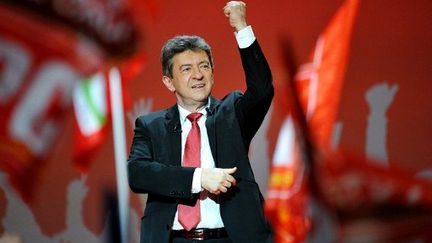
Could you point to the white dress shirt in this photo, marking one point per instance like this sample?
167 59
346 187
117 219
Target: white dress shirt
210 208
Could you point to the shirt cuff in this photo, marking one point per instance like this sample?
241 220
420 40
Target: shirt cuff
196 181
245 37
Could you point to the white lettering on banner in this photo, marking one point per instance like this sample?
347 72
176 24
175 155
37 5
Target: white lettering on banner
16 65
33 120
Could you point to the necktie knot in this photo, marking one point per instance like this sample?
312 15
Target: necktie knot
194 117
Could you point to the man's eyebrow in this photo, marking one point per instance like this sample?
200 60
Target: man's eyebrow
189 65
185 65
205 61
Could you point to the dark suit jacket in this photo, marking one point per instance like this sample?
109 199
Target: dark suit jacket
154 163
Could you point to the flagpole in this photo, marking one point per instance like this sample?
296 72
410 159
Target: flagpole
119 150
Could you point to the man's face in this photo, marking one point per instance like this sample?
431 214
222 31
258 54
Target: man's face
192 79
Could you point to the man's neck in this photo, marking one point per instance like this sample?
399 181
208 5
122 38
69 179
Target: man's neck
194 107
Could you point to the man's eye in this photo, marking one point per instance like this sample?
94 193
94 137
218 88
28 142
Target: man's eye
186 69
205 66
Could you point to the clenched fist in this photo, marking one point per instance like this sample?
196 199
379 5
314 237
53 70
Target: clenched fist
235 11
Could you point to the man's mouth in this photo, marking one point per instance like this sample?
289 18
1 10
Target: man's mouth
198 86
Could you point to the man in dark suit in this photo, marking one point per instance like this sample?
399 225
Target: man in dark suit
218 199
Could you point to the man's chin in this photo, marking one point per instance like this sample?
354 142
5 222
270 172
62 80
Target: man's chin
202 97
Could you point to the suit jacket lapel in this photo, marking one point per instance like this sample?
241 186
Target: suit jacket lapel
211 127
173 129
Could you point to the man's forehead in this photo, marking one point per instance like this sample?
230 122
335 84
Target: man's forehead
191 56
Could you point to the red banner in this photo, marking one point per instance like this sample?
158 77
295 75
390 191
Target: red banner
109 23
38 73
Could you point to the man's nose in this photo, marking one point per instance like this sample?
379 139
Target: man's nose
197 74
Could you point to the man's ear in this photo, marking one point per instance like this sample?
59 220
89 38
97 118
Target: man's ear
168 83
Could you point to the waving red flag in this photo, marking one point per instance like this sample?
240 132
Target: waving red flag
287 196
320 81
38 73
318 86
37 79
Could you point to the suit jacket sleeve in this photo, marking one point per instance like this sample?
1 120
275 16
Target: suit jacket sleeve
252 107
149 176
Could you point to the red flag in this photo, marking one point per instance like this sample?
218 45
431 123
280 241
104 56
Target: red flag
318 85
320 81
396 205
37 79
92 108
349 182
345 181
287 196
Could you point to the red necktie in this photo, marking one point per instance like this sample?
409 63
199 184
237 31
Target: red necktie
189 216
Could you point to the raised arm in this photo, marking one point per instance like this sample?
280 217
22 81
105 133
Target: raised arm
252 107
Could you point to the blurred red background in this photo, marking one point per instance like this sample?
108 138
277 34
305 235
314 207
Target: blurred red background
391 44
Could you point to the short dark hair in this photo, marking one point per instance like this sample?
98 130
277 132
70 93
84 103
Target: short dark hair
179 44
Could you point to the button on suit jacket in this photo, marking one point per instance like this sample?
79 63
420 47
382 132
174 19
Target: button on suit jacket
154 164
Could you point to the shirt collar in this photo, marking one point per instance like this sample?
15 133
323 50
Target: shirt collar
184 113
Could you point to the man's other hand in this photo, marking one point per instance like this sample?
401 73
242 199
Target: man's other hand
216 180
235 11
